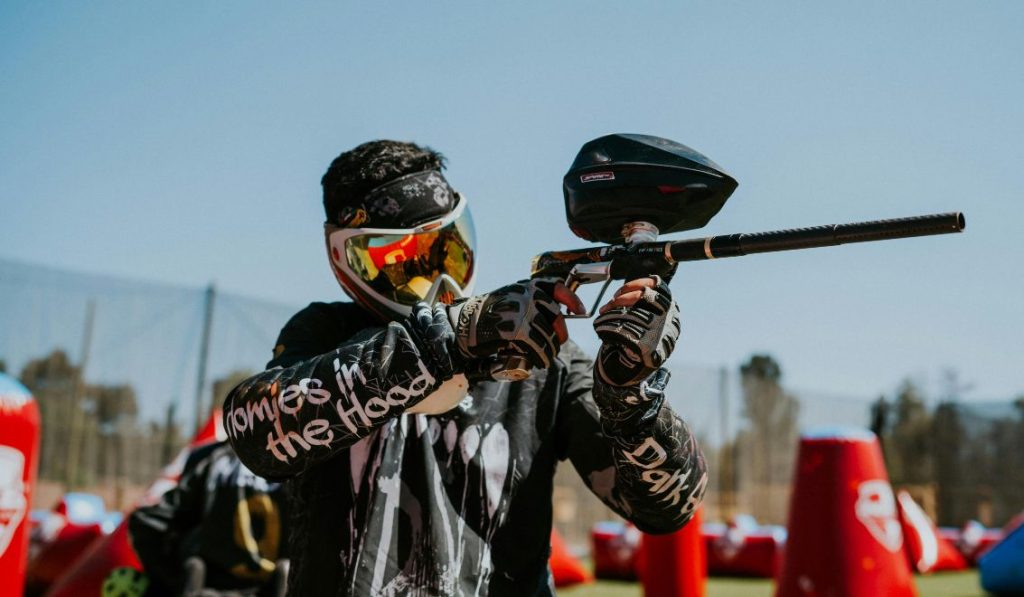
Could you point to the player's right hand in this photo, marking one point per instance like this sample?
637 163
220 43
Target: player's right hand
638 328
518 320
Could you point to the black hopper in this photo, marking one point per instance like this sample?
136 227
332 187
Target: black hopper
621 179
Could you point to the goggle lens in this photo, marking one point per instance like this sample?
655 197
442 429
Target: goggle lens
403 268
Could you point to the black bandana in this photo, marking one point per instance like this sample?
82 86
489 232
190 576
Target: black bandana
405 202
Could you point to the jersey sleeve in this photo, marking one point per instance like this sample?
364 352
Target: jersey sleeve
323 391
630 448
157 530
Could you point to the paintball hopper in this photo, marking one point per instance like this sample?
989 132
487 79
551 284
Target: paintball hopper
620 179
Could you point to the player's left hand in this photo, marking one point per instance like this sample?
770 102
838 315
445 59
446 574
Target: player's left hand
638 328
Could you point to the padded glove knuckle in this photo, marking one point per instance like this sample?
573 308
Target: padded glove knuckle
514 320
648 329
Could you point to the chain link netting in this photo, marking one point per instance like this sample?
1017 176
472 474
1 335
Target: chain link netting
114 365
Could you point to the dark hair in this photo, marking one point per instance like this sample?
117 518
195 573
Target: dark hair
356 172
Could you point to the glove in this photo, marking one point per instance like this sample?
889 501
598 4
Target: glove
434 336
638 339
518 320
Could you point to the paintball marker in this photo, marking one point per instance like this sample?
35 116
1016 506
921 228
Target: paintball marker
627 189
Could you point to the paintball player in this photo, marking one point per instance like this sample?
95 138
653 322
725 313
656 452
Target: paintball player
413 471
221 531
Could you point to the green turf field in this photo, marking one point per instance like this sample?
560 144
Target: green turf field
957 584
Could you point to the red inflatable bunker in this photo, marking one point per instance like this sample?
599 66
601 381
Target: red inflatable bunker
19 443
674 565
972 540
845 538
743 548
62 535
927 551
614 547
54 559
565 568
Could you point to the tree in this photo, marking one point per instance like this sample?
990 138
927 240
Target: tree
114 405
224 385
950 444
909 442
52 380
50 376
772 433
1008 470
170 434
880 417
113 411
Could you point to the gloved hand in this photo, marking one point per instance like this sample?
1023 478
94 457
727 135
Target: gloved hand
638 328
518 320
433 333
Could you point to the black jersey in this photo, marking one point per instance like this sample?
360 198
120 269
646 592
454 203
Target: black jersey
389 503
219 511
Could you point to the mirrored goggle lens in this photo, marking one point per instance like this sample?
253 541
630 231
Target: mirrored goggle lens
403 267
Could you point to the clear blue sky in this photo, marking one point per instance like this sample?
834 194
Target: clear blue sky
183 142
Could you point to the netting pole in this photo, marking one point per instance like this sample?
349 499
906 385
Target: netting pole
75 435
204 352
167 446
724 456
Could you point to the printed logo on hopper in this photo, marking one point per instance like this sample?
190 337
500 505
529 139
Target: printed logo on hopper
594 176
876 510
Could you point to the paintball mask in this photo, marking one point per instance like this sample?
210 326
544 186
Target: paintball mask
410 240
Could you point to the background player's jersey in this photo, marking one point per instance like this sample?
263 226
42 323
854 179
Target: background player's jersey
221 512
